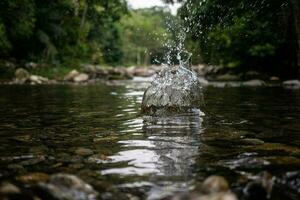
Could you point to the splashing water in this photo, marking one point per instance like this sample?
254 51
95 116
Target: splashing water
176 88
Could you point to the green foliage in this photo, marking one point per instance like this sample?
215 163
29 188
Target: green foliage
245 33
58 31
144 33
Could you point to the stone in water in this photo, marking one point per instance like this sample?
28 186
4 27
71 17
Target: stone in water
173 91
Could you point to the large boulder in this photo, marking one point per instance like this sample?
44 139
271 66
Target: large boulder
174 89
22 75
291 84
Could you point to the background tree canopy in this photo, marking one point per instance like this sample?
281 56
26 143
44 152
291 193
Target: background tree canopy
261 35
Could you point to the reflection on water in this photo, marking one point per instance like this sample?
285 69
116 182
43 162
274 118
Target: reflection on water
244 131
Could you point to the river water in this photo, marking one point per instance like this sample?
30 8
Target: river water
97 133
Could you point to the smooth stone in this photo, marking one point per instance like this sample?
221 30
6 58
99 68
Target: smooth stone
83 151
38 79
33 161
252 141
227 77
8 188
71 75
219 196
254 83
39 149
16 167
33 178
22 74
214 184
66 187
81 78
291 84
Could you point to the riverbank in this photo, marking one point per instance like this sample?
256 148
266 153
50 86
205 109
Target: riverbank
209 75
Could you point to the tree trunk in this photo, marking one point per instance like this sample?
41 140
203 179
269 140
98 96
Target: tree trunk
83 15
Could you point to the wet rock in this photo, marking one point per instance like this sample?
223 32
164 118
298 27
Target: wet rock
254 83
33 161
33 178
81 78
213 188
8 188
174 89
144 72
34 79
21 75
71 75
65 187
274 78
214 184
290 182
260 188
250 75
83 151
252 141
227 77
16 168
291 84
219 196
39 149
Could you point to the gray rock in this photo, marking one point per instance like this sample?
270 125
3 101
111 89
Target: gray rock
227 77
66 187
37 79
254 83
81 78
71 75
22 74
174 89
291 84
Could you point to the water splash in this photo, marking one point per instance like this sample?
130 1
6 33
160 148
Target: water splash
176 88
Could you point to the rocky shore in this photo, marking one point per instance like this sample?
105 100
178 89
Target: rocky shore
208 76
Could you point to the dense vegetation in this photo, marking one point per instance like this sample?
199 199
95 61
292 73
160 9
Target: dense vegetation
61 30
262 35
246 34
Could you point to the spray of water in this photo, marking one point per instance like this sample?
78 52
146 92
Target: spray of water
176 88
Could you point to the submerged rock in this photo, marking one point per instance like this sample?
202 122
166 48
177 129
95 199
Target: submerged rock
33 178
65 187
214 184
174 89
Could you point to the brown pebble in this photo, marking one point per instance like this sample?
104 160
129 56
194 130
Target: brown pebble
215 184
33 178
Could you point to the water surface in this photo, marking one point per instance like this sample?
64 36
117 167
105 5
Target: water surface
244 131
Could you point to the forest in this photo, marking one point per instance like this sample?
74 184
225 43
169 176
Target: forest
241 35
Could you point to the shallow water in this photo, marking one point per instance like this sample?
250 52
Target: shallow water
243 132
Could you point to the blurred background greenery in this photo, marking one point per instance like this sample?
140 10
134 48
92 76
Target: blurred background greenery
262 35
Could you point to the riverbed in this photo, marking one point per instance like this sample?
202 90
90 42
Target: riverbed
97 133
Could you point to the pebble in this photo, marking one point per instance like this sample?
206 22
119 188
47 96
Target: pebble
83 151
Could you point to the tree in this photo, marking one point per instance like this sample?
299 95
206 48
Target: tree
144 34
245 34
